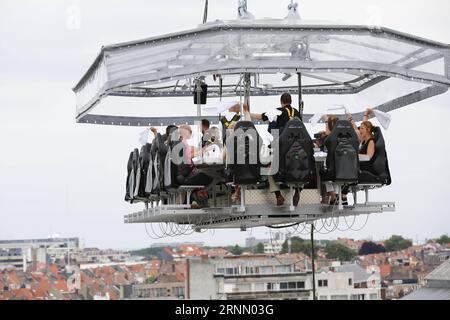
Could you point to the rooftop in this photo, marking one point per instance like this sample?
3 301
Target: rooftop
37 241
429 294
440 273
359 273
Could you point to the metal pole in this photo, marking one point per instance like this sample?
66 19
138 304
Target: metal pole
312 259
300 97
205 13
247 85
199 92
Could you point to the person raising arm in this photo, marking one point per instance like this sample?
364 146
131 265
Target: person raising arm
365 119
365 136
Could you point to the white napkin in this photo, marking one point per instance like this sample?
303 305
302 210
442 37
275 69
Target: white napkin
221 107
383 118
338 107
273 114
143 137
316 118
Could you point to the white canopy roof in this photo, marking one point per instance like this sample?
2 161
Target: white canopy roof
333 59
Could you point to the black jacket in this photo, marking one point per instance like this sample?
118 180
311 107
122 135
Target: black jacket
287 113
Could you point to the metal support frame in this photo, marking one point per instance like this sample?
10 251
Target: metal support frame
242 206
199 93
339 194
355 197
254 215
317 67
164 121
447 64
312 261
116 87
97 75
300 96
247 86
408 99
205 12
291 198
360 83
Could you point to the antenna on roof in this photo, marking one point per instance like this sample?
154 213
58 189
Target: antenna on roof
293 11
243 12
205 12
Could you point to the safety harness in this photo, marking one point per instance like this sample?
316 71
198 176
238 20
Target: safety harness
290 114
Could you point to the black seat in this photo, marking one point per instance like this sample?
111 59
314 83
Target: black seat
132 169
171 168
128 186
243 153
296 154
161 150
144 163
156 170
342 154
186 174
381 173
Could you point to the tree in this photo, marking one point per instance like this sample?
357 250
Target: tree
150 280
148 253
444 239
259 248
370 247
299 245
336 250
397 243
236 250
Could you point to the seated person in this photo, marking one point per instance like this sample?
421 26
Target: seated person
286 112
213 146
212 137
162 141
187 173
227 128
228 125
319 142
330 123
330 196
205 128
160 146
366 138
330 188
367 147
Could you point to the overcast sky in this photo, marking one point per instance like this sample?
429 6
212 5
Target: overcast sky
59 177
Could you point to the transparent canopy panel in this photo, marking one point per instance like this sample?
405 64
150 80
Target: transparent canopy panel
395 69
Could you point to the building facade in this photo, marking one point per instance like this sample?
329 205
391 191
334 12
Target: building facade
20 253
250 277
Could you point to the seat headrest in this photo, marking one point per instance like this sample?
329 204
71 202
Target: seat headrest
244 125
343 126
295 126
294 123
377 134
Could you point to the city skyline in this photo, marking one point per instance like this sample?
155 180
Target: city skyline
62 269
174 243
59 177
